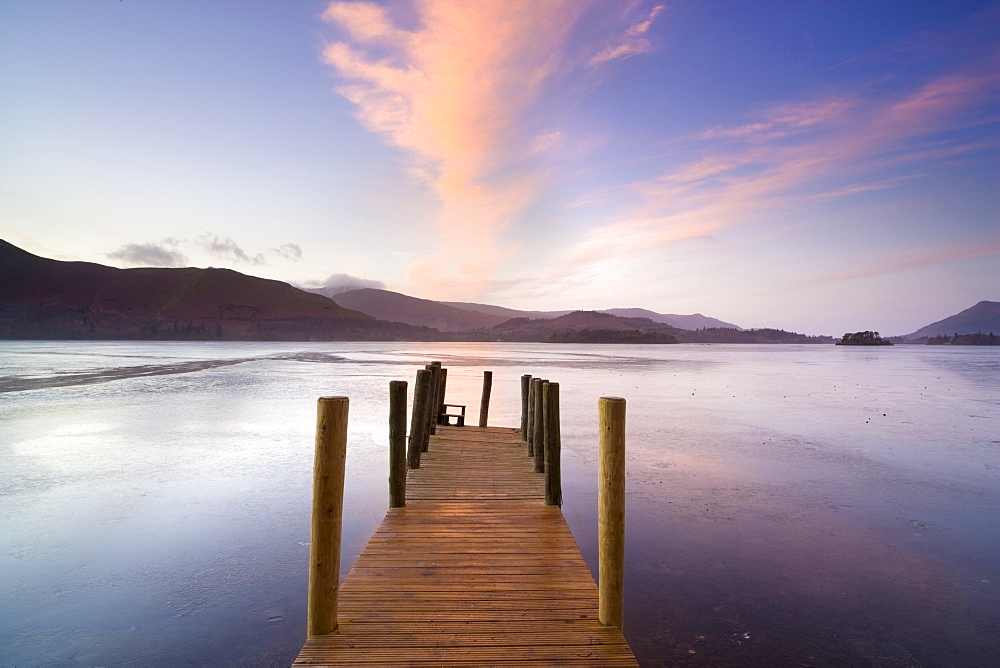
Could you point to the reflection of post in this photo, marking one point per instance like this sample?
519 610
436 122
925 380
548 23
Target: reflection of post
611 510
553 476
525 384
418 420
397 443
327 515
484 405
538 435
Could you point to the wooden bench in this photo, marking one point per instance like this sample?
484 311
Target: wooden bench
445 417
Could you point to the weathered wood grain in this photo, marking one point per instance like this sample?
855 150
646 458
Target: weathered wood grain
474 570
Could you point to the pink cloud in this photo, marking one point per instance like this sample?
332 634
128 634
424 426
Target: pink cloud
813 150
642 27
454 94
914 259
631 43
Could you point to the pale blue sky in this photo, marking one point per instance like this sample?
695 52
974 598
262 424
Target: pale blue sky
815 166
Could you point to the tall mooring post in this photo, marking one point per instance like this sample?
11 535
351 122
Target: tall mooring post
531 417
484 404
327 515
525 384
611 510
397 443
432 401
553 445
537 445
418 421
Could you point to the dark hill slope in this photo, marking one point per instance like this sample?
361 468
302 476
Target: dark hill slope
586 327
44 298
599 327
983 317
507 313
692 321
396 307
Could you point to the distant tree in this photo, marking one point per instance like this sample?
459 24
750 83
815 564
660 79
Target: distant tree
866 338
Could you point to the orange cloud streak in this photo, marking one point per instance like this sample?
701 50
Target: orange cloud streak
453 94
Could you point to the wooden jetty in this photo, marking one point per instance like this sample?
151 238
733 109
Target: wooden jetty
474 569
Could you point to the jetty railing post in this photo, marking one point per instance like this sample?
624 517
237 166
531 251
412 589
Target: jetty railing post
538 435
327 515
435 369
418 419
484 405
611 510
439 408
525 383
397 443
553 475
531 418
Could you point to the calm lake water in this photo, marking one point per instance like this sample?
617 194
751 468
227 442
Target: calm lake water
786 505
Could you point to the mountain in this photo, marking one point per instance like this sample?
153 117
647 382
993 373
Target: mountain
586 327
44 298
693 321
601 327
396 307
507 312
983 317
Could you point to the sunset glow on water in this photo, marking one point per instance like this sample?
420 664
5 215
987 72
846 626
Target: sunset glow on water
785 504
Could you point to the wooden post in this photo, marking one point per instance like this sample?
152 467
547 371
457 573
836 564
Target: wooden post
525 384
538 435
439 408
435 369
553 475
484 405
531 418
327 515
418 419
611 510
397 443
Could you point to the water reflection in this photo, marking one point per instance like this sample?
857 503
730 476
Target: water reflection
786 504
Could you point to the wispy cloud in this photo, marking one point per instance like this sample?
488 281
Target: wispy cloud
163 254
914 258
289 251
454 95
339 283
792 155
229 249
633 42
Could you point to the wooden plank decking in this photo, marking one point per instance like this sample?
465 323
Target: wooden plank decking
475 570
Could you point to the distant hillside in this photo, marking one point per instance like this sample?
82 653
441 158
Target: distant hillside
694 321
586 327
396 307
507 313
48 299
983 317
600 327
44 298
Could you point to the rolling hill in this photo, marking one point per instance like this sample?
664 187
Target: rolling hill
396 307
983 317
693 321
44 298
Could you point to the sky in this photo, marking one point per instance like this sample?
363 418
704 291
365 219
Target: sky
816 166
